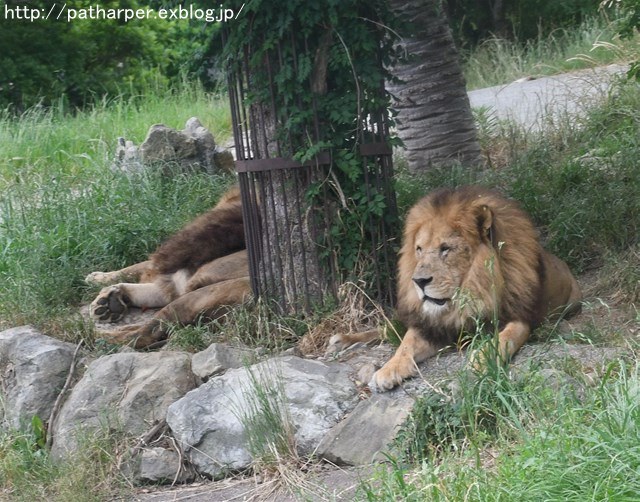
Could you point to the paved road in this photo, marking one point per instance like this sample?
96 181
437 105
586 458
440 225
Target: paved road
538 103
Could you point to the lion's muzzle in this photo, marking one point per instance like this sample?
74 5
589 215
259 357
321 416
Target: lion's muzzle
422 284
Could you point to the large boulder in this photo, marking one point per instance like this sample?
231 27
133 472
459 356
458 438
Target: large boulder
208 421
125 392
33 369
218 358
192 149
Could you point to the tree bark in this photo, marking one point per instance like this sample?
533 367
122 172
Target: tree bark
288 266
434 116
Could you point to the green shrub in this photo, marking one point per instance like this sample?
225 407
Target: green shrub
47 60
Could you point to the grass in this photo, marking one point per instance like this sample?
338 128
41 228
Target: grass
543 444
28 473
255 325
593 43
270 435
64 213
50 142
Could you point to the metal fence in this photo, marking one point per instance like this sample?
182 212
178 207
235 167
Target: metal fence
292 210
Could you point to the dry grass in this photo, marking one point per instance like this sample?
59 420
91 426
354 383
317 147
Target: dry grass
356 312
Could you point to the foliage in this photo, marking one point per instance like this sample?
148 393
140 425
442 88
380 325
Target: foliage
28 472
474 407
80 60
593 42
473 21
627 24
267 425
564 448
325 60
257 324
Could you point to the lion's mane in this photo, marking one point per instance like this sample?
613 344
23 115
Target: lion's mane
507 270
216 233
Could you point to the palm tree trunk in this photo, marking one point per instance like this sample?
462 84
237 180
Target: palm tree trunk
434 116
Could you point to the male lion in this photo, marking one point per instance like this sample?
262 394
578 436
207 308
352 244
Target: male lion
470 255
198 272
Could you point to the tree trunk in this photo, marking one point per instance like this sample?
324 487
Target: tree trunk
290 264
434 116
286 258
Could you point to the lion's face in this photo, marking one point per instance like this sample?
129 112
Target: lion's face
442 260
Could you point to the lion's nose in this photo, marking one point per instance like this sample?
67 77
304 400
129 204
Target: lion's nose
422 282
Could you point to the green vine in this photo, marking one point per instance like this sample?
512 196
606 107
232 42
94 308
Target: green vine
327 60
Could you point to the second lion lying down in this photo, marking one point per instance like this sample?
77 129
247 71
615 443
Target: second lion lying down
199 272
469 256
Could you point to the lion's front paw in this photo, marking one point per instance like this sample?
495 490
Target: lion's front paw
110 305
485 357
391 375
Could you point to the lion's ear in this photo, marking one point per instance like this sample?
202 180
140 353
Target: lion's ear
484 218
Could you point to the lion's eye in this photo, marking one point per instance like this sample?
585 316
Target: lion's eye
418 250
444 250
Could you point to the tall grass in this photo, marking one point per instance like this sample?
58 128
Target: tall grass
549 445
593 43
63 212
28 473
58 141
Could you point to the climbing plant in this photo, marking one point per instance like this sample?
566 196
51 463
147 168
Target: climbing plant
327 64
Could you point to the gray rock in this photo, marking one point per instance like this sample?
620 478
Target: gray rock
33 369
128 157
164 144
203 141
218 358
193 148
125 392
207 421
365 435
158 465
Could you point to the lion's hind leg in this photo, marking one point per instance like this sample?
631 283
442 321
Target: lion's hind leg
210 302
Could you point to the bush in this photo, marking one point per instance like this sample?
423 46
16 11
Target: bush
79 61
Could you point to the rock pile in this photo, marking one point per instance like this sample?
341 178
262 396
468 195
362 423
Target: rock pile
190 411
199 401
192 149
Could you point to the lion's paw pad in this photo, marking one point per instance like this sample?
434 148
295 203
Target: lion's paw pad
111 305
